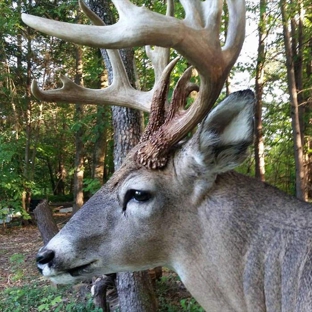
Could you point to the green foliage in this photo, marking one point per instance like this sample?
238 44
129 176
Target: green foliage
185 305
190 305
12 181
16 259
37 144
15 266
91 186
168 284
60 198
43 298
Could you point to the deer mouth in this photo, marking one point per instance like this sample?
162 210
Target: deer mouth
81 270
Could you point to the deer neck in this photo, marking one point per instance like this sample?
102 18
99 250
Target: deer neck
230 234
214 260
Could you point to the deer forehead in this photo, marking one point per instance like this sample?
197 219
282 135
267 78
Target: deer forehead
140 179
131 170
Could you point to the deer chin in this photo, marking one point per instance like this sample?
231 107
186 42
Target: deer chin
70 276
63 279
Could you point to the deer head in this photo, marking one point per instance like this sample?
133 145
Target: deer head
155 210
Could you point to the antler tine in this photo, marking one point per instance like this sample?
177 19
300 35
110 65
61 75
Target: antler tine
96 20
181 91
71 92
158 109
149 28
116 61
148 154
236 31
160 56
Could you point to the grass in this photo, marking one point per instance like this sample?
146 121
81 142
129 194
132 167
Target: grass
43 298
37 297
173 297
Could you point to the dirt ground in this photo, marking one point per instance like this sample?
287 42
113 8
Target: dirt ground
18 247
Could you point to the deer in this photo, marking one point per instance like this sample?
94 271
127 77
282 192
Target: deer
238 244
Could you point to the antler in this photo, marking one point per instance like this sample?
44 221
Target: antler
127 95
196 37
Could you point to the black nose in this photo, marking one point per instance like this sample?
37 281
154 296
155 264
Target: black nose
45 256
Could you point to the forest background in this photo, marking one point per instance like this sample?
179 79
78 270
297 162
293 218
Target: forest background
64 152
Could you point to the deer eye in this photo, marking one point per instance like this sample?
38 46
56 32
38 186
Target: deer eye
141 196
137 195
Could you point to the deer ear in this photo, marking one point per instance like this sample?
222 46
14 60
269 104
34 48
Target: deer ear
224 136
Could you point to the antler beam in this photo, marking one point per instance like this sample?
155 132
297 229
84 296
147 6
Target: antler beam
73 93
127 95
196 37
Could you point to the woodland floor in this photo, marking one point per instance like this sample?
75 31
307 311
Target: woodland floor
19 245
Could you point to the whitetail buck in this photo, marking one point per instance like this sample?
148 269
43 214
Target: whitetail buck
237 244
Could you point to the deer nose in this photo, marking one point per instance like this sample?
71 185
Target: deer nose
45 256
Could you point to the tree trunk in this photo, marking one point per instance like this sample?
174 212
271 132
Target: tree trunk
259 142
59 188
308 98
297 45
45 221
79 157
50 169
100 145
135 290
298 150
28 110
297 54
132 292
127 132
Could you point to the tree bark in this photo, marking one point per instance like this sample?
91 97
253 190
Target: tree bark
103 122
50 169
135 290
259 141
99 146
45 221
79 156
308 96
28 110
297 53
132 292
297 137
61 173
297 48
